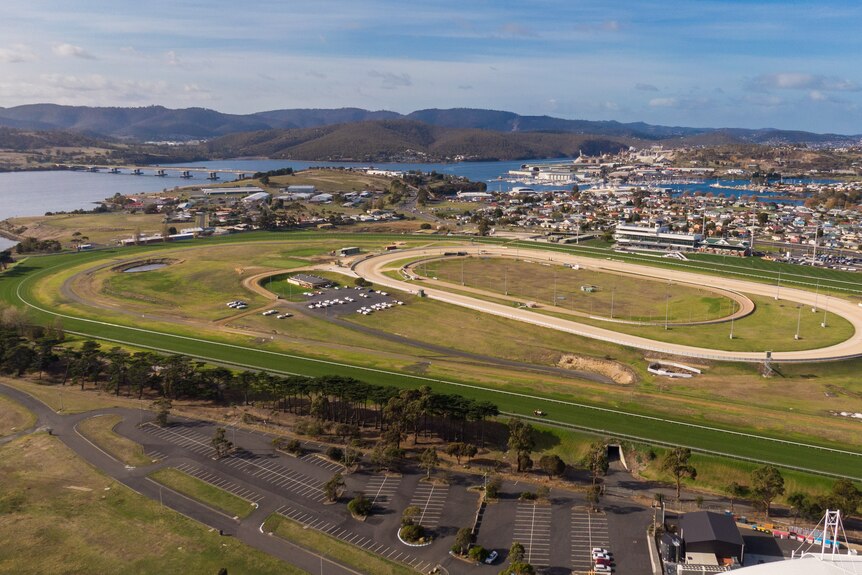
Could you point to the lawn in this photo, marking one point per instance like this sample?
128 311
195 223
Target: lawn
14 417
203 492
628 297
100 430
98 228
60 516
333 548
65 399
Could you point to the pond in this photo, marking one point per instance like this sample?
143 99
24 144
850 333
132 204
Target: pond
144 268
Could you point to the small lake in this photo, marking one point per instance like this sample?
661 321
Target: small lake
144 268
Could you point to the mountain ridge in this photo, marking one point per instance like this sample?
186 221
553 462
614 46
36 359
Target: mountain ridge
160 123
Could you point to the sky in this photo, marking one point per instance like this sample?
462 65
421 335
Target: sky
732 63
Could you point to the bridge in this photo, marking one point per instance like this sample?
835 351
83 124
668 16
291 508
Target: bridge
186 172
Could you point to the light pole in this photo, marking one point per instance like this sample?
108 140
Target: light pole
778 286
731 327
798 322
506 280
816 294
666 304
825 311
613 293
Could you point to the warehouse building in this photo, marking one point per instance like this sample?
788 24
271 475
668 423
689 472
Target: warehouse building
711 539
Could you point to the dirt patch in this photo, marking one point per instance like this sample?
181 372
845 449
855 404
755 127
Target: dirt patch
618 372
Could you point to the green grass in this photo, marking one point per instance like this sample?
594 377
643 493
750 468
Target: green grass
203 492
14 417
100 430
59 515
333 548
628 297
573 407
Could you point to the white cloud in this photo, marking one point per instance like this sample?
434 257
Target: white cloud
664 103
390 81
72 51
17 54
802 81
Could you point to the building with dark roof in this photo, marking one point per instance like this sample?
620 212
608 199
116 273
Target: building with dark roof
308 281
707 533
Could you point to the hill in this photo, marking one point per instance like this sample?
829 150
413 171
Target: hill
160 123
383 140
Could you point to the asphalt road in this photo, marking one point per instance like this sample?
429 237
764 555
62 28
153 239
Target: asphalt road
371 268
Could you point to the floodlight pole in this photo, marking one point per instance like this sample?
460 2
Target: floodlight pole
506 280
613 292
778 286
798 322
731 326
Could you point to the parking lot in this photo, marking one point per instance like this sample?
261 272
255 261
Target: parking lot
557 534
343 301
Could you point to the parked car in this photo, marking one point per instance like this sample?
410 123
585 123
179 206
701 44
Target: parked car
491 557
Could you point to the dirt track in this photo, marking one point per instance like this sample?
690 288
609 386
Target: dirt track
371 268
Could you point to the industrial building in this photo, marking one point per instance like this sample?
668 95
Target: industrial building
710 539
351 251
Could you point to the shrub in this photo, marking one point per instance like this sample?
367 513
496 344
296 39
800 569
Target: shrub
360 506
335 454
527 496
425 226
412 533
362 282
293 446
478 553
492 487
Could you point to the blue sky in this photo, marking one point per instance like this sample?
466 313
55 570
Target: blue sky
732 63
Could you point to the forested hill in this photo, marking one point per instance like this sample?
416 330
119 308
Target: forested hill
160 123
383 140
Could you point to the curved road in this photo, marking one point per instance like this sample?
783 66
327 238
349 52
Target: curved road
371 268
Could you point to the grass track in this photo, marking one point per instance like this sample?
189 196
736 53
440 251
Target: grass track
16 285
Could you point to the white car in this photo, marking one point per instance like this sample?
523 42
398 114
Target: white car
270 312
601 550
283 315
603 569
491 557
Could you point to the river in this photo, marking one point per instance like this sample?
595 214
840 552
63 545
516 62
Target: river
34 193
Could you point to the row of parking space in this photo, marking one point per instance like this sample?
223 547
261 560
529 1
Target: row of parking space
320 461
589 530
430 499
220 482
533 531
277 475
312 521
380 489
186 438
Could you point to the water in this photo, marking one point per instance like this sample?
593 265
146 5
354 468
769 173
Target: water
144 268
